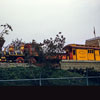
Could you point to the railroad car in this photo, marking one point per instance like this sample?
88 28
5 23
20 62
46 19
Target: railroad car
82 52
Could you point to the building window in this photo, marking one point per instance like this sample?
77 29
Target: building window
90 51
67 52
74 52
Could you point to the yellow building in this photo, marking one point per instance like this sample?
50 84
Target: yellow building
82 52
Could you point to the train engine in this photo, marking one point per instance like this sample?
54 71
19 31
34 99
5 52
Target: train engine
25 54
30 53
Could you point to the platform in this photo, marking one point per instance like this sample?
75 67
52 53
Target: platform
71 64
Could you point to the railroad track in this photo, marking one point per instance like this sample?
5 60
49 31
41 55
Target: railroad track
8 65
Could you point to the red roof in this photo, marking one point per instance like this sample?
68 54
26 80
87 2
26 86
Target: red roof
81 46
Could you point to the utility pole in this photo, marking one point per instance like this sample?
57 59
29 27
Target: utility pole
94 32
87 83
40 79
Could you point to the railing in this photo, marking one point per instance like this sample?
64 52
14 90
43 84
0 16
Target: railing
45 79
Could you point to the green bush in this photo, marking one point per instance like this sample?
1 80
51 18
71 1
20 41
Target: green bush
43 72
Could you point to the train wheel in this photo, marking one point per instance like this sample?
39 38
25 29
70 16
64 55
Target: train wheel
20 60
33 60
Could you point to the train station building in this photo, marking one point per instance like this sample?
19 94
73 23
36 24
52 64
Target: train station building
93 42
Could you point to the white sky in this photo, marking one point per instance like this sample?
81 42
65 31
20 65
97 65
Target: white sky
42 19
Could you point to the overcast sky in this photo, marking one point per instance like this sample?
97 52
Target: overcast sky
42 19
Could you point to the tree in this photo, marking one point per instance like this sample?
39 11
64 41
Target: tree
38 49
16 43
5 30
54 45
37 46
33 52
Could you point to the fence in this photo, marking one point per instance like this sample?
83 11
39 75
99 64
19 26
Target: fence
62 78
